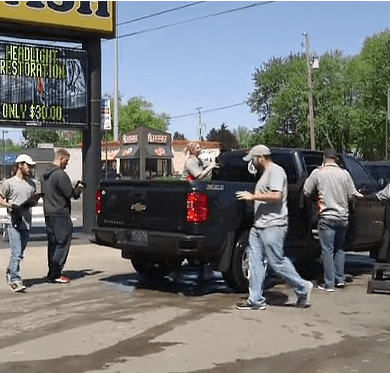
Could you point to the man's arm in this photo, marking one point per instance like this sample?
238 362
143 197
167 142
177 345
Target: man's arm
269 197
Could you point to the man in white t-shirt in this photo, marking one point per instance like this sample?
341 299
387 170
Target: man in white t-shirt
17 194
266 237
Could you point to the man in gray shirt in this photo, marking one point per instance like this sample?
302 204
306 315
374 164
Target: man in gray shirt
334 187
16 194
266 237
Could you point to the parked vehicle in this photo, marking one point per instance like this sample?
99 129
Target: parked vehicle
159 224
379 170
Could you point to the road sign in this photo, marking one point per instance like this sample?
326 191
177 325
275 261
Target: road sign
106 115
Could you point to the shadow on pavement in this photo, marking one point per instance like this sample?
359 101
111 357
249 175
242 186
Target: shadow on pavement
187 280
73 275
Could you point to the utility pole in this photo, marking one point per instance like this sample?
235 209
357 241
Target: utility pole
200 125
309 73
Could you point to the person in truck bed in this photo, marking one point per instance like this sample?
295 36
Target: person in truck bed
267 235
194 168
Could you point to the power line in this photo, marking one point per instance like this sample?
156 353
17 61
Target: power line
194 19
207 111
157 14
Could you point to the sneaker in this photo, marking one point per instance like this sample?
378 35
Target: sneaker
8 277
340 285
304 300
62 280
249 306
17 287
324 287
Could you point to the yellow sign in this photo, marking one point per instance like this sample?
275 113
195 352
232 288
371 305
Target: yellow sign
91 16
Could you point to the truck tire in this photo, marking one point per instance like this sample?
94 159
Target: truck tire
153 270
238 274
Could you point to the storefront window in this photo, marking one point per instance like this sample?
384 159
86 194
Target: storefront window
158 167
130 168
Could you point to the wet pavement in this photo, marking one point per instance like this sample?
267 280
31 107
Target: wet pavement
108 319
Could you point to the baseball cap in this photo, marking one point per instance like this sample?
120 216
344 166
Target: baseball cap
25 158
257 150
330 153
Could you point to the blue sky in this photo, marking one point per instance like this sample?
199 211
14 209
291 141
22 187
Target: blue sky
209 63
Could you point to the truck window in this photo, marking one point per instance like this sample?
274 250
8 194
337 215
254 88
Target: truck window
357 171
233 168
286 161
312 161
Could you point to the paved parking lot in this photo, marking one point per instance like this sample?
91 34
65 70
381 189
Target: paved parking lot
109 320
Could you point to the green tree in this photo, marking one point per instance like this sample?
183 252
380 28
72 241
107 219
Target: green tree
59 138
178 136
372 72
280 100
226 138
243 136
139 112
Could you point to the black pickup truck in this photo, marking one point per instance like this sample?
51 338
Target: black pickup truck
160 224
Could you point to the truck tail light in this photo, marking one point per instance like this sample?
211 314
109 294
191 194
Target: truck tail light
98 202
197 208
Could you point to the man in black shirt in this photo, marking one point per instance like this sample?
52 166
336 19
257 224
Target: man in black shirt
58 191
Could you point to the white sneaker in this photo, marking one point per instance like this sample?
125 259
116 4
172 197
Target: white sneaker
304 300
17 287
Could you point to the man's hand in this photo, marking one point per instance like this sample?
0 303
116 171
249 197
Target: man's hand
244 196
78 189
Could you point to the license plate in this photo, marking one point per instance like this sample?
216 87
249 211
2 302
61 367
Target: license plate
139 238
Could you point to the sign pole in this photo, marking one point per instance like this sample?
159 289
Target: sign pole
387 120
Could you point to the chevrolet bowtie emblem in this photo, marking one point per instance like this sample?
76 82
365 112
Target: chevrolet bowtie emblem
138 207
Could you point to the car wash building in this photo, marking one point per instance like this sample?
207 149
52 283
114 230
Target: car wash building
145 153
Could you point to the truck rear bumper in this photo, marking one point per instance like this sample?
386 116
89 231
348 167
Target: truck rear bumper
146 241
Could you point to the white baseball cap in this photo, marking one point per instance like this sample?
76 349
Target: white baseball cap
256 151
25 158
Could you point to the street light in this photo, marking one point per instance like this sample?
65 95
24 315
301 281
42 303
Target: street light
4 132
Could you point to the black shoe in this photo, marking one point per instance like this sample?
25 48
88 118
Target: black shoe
340 285
250 306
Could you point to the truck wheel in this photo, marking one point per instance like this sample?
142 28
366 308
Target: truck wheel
153 270
238 274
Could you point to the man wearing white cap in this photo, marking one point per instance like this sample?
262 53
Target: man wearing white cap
266 237
17 194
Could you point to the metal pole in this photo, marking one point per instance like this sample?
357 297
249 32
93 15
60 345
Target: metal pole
3 156
92 135
105 135
116 126
311 112
387 119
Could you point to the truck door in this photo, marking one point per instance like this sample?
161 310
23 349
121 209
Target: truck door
367 217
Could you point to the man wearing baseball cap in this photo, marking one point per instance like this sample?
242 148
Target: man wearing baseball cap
17 194
266 237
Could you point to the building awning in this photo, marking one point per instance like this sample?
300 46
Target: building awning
158 151
128 152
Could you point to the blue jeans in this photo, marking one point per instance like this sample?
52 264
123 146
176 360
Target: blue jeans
18 239
267 245
331 234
